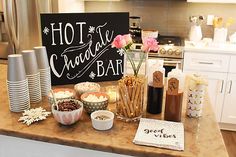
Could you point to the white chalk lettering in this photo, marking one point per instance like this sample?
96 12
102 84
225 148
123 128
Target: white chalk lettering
100 69
56 29
87 54
81 31
119 66
72 33
110 67
103 41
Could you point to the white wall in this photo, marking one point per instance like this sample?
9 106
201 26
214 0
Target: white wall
70 6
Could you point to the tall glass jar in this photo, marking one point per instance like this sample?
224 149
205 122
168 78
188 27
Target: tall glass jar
132 90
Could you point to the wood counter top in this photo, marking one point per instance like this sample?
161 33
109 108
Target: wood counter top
202 136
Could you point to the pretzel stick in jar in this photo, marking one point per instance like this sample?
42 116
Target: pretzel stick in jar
133 96
122 106
124 98
129 108
140 101
136 99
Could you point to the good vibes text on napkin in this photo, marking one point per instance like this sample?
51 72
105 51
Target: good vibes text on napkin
160 133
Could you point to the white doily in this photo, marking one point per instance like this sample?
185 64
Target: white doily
34 115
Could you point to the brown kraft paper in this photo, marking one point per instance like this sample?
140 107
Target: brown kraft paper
173 86
158 79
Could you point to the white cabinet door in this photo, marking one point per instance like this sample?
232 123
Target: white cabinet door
229 108
232 66
216 90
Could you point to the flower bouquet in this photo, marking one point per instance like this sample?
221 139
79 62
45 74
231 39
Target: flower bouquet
221 29
131 89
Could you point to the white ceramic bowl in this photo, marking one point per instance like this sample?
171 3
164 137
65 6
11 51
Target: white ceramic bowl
94 105
68 117
58 92
102 124
84 87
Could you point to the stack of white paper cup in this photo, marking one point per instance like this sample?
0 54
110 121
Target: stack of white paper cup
17 84
44 69
33 75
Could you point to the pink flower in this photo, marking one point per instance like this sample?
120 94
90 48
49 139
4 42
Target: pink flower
128 39
150 44
119 42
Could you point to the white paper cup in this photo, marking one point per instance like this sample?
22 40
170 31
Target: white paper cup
16 68
17 82
42 57
30 62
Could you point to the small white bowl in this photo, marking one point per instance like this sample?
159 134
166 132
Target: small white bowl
84 87
104 124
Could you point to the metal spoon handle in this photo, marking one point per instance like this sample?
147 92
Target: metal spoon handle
54 99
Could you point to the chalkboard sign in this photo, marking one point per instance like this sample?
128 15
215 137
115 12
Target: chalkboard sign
79 46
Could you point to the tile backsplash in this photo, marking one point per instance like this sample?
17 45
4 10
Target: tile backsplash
169 17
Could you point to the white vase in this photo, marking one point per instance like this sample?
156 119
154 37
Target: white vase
220 35
195 33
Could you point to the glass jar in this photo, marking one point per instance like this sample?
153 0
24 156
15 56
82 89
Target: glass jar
132 88
138 57
131 98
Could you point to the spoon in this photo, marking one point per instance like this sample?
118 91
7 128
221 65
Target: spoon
54 99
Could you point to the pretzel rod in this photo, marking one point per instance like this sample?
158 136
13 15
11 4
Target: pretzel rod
129 107
128 88
136 99
122 106
130 100
118 106
132 97
123 103
124 97
130 91
141 95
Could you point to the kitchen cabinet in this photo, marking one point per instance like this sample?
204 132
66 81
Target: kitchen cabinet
220 71
229 109
212 1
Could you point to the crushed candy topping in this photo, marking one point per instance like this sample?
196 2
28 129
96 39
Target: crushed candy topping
102 117
62 94
94 98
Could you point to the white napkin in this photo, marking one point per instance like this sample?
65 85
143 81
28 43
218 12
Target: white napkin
158 133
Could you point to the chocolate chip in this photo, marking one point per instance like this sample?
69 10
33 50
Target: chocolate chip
68 105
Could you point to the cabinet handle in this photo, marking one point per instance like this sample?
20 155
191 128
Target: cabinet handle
222 85
230 86
205 63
